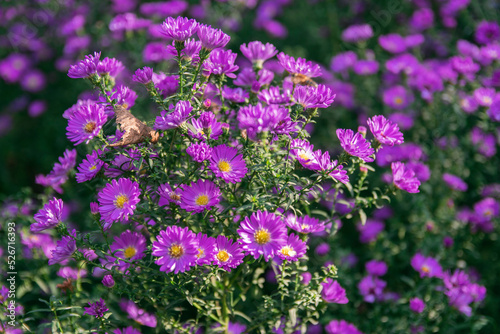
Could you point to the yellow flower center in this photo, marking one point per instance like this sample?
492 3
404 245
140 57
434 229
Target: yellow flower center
426 269
262 236
487 100
201 200
224 166
222 256
304 226
89 127
200 253
288 251
92 167
305 157
488 213
176 251
398 100
129 252
120 201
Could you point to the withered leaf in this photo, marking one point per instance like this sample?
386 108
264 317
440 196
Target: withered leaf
135 130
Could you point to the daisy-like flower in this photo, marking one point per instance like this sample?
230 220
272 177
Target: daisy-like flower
228 254
175 118
85 68
86 123
263 233
169 195
179 29
212 38
293 249
89 167
190 52
299 66
326 164
304 224
404 178
314 97
129 246
454 182
206 126
354 144
96 309
357 33
110 66
417 305
228 164
201 195
176 248
392 43
117 201
199 152
206 249
273 95
426 266
397 97
49 216
332 292
64 249
138 314
484 96
143 75
303 151
341 327
385 131
258 52
221 62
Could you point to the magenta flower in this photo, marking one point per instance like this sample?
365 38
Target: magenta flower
397 97
372 288
341 327
454 182
327 165
484 96
494 110
169 195
486 209
109 66
137 314
64 249
293 249
303 151
96 309
180 28
176 248
129 246
228 164
199 152
304 224
89 167
393 43
370 230
86 123
314 97
355 145
404 178
487 32
126 330
258 52
143 75
417 305
376 268
221 62
206 249
212 38
199 196
237 95
117 201
174 118
206 126
257 119
190 52
273 95
385 131
228 255
343 61
365 67
357 33
426 266
48 217
299 66
262 234
332 292
85 68
108 281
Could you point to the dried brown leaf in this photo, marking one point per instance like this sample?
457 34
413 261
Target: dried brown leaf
135 130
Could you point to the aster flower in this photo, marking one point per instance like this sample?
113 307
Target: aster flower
299 66
327 165
72 273
228 254
221 62
372 288
341 327
176 248
180 28
314 97
199 152
126 330
117 201
96 309
343 62
486 209
487 32
190 52
454 182
237 95
89 167
404 177
494 110
169 195
110 66
206 126
370 230
201 195
304 224
129 246
355 145
256 119
206 249
64 250
108 281
143 75
393 43
357 33
258 52
426 266
226 163
85 68
273 95
332 292
484 96
417 305
303 152
293 249
166 84
137 314
86 123
248 77
122 95
175 118
49 216
212 38
397 97
365 67
385 131
123 162
262 234
376 268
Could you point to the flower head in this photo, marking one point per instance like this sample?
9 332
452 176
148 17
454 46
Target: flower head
176 248
258 52
174 118
341 327
143 75
201 195
228 254
314 97
180 28
372 288
221 62
85 68
304 224
426 266
206 249
199 152
417 305
65 249
129 246
332 292
138 314
293 249
89 167
96 309
454 182
355 144
404 178
86 123
397 97
206 127
357 33
226 163
376 268
299 66
169 195
212 38
385 131
303 151
49 216
117 201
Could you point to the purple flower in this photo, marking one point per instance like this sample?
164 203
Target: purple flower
293 249
33 81
190 52
385 131
111 66
468 104
397 97
355 145
487 32
169 195
454 182
238 95
406 63
143 75
464 65
68 272
376 268
117 201
304 224
327 165
206 126
314 97
129 246
422 19
273 95
486 209
372 289
212 38
357 33
257 119
49 216
258 52
175 118
96 309
263 233
85 68
199 152
343 61
199 196
228 254
404 177
341 327
137 314
366 67
332 292
179 29
228 164
370 230
484 96
485 143
417 305
393 43
221 62
303 151
86 123
89 254
176 248
426 266
89 167
322 249
206 249
126 330
494 110
299 66
108 281
64 250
